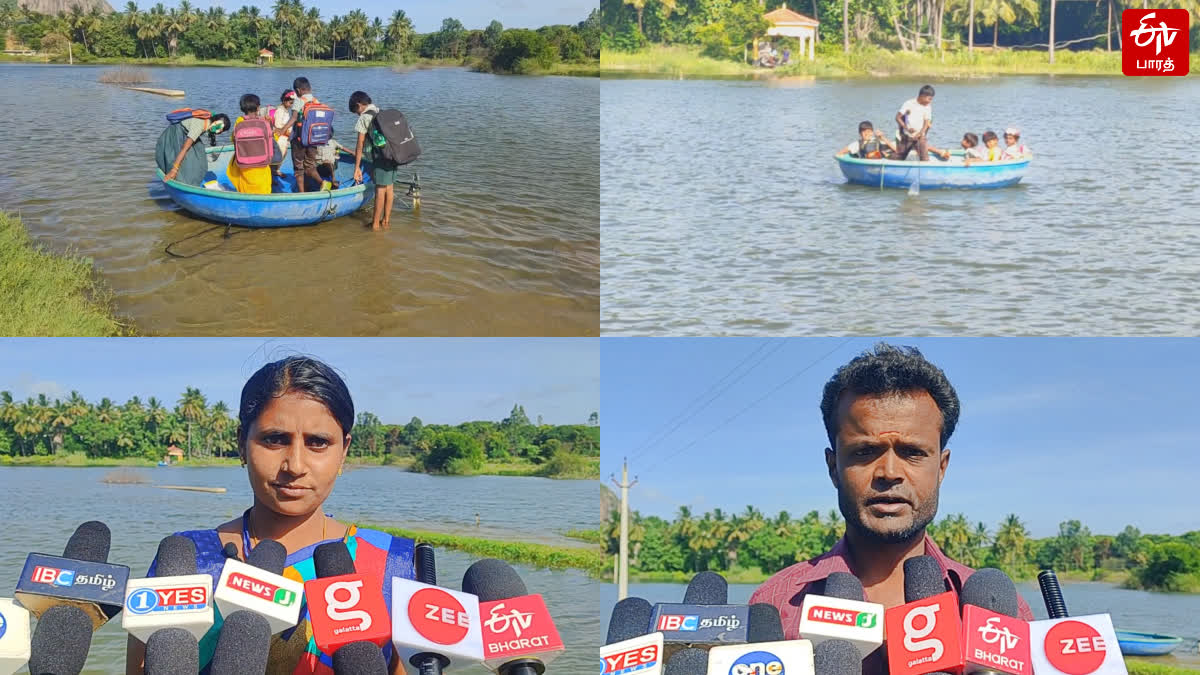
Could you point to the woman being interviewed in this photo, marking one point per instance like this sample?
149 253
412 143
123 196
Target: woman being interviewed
294 431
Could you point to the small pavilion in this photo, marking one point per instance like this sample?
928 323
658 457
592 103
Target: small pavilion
265 56
787 23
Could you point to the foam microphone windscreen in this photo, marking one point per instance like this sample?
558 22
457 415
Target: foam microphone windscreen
990 589
843 585
61 641
270 555
707 588
492 580
630 619
837 657
243 646
230 550
922 578
176 557
765 623
332 560
170 651
690 661
360 658
90 542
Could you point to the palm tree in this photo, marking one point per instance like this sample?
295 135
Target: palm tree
282 11
9 410
220 422
148 28
399 32
27 425
59 424
993 12
311 30
640 6
846 26
156 415
1010 546
192 407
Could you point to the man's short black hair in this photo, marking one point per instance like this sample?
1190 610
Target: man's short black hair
865 126
890 370
249 103
927 90
971 139
300 85
359 98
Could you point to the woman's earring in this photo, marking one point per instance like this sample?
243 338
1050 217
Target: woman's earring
339 470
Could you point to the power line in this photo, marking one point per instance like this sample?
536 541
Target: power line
753 403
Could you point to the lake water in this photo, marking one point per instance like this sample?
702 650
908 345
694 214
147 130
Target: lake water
506 242
1169 613
59 499
723 212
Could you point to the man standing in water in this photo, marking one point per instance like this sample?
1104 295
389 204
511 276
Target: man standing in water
915 117
888 414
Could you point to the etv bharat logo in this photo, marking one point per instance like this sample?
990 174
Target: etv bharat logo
1155 41
991 634
515 619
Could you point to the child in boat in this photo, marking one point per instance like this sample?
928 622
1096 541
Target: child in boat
327 163
180 157
914 119
992 153
871 144
280 115
304 158
973 151
942 153
383 173
251 180
1014 148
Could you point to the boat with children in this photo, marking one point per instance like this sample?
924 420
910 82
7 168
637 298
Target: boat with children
932 174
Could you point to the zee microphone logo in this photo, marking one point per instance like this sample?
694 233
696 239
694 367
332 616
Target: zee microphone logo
1075 648
438 616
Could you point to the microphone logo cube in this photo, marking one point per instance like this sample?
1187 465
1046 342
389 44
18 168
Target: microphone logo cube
272 596
347 608
96 588
431 619
517 627
855 621
792 657
995 642
698 624
168 602
929 631
641 655
1076 646
14 636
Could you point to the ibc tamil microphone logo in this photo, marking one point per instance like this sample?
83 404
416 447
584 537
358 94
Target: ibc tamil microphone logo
1155 41
515 619
53 576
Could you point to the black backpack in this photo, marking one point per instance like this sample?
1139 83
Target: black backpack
392 138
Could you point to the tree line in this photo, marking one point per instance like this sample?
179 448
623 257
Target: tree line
144 430
293 31
724 27
752 541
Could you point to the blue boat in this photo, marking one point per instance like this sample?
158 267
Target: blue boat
222 203
1146 644
932 175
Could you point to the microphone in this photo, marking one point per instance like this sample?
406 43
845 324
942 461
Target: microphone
14 636
1083 645
707 588
924 633
434 628
360 657
172 650
629 648
842 614
80 578
343 605
176 597
704 619
766 652
519 637
994 640
837 657
243 645
689 661
258 586
60 642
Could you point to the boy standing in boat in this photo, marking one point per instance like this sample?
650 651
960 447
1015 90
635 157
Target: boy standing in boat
915 117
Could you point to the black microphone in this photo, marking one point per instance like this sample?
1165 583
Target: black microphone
765 623
60 642
270 555
500 590
243 645
687 661
427 663
837 657
844 585
630 618
707 588
170 651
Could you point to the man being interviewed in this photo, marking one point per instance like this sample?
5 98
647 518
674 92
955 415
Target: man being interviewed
888 415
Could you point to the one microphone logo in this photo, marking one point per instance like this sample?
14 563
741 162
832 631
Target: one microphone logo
914 636
336 608
993 634
438 616
500 622
757 663
3 625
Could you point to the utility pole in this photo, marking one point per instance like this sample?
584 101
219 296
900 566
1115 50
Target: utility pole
623 559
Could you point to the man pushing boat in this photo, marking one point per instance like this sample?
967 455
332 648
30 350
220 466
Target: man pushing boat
915 117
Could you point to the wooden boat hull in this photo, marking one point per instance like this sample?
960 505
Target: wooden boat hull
283 208
1146 644
932 175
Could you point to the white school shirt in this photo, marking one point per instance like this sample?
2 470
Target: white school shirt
915 114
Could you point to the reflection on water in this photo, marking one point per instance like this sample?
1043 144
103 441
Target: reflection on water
506 241
724 212
141 515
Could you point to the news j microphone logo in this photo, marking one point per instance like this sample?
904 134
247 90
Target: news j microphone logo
757 663
843 617
280 596
1155 41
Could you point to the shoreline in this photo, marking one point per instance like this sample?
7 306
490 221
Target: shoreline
558 69
589 560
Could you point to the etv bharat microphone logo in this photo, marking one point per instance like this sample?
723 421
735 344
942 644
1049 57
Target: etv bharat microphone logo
1155 41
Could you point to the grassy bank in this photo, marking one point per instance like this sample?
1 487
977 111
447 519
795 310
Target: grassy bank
80 460
757 576
1142 667
679 61
44 294
588 560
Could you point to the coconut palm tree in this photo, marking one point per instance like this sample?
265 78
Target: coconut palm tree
993 12
192 407
28 425
59 424
311 30
1010 548
399 32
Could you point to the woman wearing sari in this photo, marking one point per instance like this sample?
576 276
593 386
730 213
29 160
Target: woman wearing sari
294 428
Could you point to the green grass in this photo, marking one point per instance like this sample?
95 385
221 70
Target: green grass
687 61
45 294
1140 667
82 460
588 560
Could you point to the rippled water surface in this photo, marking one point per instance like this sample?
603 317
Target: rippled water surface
724 212
525 509
506 241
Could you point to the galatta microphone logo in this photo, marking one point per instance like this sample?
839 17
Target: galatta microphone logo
1000 636
914 638
338 609
842 617
499 622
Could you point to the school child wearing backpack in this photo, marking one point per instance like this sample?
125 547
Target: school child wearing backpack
391 143
311 126
178 154
254 150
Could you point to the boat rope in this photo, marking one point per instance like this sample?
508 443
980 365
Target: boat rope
225 237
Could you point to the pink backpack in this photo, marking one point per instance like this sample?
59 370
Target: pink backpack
253 143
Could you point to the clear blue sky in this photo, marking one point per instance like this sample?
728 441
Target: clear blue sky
441 380
427 16
1104 431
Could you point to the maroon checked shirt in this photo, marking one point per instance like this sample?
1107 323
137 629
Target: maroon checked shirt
786 590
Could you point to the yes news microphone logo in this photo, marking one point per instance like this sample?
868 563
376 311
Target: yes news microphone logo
1155 41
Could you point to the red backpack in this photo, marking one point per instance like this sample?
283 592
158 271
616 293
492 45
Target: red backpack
253 143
